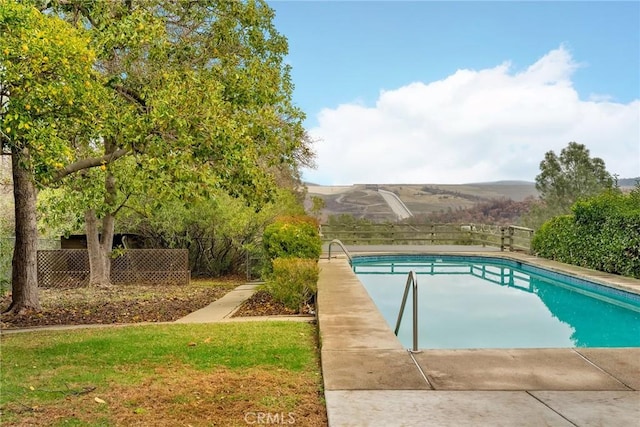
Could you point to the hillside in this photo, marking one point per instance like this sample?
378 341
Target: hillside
628 182
364 201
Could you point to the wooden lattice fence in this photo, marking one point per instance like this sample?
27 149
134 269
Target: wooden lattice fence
70 267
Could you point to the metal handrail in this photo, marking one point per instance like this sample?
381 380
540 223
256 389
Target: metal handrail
339 243
411 280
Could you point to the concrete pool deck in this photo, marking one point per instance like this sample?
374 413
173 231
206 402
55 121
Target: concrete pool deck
371 380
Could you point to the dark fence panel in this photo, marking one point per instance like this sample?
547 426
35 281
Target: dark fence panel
70 267
63 268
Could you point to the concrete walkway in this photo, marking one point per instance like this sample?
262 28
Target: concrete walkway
370 380
222 308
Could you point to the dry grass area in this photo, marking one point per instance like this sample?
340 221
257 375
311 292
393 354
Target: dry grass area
118 304
187 397
231 374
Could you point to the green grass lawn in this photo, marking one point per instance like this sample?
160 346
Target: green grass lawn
162 375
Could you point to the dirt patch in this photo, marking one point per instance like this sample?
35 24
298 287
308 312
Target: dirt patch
136 304
183 396
262 304
116 304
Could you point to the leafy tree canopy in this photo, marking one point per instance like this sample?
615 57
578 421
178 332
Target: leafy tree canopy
209 86
50 95
571 176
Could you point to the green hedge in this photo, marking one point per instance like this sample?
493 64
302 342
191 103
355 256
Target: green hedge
602 234
293 281
292 237
293 246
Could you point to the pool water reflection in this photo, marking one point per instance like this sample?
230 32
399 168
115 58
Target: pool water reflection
467 302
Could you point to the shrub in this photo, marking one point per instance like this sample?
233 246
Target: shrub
221 232
292 237
603 234
293 281
556 239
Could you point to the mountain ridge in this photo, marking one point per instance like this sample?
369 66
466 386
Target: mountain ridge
364 200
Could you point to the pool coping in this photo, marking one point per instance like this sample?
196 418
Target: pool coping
367 372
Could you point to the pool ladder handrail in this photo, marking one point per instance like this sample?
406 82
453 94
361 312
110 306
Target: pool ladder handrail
412 283
344 249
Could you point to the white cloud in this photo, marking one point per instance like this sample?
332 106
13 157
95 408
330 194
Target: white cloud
473 126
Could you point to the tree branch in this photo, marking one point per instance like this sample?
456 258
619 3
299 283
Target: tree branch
143 214
122 205
130 95
89 163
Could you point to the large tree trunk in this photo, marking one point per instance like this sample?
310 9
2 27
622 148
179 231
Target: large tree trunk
100 239
99 246
24 273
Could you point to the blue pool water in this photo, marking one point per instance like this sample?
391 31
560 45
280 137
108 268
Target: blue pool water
483 302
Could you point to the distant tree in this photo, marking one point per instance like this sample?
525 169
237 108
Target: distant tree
317 204
497 212
348 220
573 175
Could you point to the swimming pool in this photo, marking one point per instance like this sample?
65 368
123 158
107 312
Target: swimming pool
485 302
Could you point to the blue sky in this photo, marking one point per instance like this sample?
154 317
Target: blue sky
453 92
